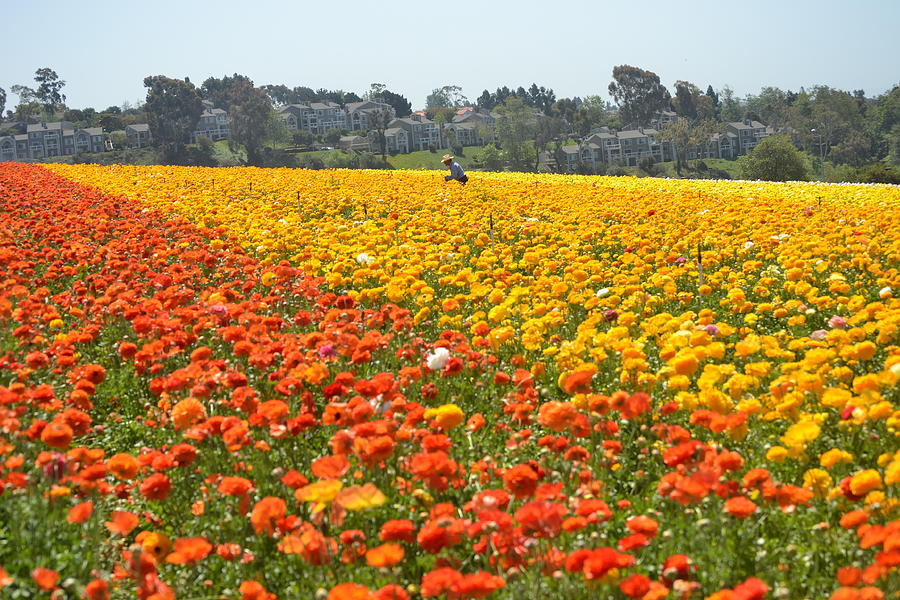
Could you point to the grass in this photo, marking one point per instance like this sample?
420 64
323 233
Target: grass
432 160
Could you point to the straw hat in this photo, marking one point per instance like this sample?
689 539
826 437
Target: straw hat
447 158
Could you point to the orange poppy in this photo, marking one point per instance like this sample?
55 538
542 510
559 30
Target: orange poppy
156 487
740 507
45 578
330 467
57 435
385 555
80 512
189 551
122 522
349 591
265 514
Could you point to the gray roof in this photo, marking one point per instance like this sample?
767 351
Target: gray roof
570 149
394 130
631 133
93 130
32 127
743 125
323 105
139 127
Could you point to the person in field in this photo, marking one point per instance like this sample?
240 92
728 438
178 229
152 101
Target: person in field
456 171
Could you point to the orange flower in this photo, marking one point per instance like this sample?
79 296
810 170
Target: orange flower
400 530
385 555
644 525
265 514
331 467
254 590
349 591
187 412
740 507
234 486
521 481
156 487
122 522
80 512
578 382
45 578
57 435
124 466
97 589
557 416
854 519
189 551
5 579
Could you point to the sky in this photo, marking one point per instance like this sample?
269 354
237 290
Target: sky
103 50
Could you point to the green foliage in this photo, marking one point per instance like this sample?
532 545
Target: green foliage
49 90
516 129
638 93
252 117
878 173
173 109
775 159
223 92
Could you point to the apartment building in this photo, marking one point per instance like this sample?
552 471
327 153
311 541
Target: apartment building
213 124
422 133
321 117
46 140
137 135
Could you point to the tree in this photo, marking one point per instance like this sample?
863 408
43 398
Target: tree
173 110
2 101
250 110
492 158
592 112
712 95
678 134
375 91
402 107
448 95
220 91
690 102
547 130
638 93
485 101
729 106
775 158
379 120
49 91
515 131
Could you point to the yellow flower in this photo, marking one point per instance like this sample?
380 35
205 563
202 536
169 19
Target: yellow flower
360 497
156 544
832 457
819 481
865 481
446 417
319 493
777 454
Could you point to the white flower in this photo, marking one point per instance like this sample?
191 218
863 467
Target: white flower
885 292
437 359
748 245
364 259
602 292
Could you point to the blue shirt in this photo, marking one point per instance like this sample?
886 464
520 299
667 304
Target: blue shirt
456 172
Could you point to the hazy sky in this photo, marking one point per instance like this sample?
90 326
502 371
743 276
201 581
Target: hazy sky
103 50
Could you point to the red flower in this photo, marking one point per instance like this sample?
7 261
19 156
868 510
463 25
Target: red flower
156 487
520 480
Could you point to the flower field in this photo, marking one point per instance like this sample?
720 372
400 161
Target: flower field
250 384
